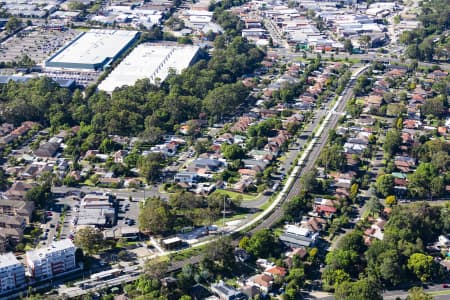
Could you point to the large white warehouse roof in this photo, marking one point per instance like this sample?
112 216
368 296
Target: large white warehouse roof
93 49
149 61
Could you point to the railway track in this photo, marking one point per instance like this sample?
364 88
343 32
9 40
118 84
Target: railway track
313 154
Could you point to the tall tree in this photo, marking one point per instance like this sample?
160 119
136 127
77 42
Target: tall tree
89 239
155 216
421 265
392 142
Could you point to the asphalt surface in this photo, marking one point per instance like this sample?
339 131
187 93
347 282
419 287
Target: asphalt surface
312 157
290 156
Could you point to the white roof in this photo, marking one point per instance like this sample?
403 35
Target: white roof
8 259
171 240
53 247
149 61
94 46
297 230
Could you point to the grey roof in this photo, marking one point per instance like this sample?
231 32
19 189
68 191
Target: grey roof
208 162
293 239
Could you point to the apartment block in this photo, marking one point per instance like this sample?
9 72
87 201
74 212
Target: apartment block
12 273
59 257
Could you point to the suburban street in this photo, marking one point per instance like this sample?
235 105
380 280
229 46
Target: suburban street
274 212
313 154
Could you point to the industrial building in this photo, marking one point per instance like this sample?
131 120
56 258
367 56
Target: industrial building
92 50
12 273
59 257
150 61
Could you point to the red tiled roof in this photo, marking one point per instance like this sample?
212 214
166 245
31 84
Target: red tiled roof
280 271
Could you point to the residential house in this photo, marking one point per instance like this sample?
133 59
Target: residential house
295 236
110 181
247 172
263 281
251 291
325 210
199 292
404 163
226 292
373 101
242 124
13 227
18 190
412 124
376 230
47 150
119 156
243 183
261 155
186 177
299 252
276 271
437 74
19 208
208 164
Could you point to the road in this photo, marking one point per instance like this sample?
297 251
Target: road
310 156
291 155
272 214
433 290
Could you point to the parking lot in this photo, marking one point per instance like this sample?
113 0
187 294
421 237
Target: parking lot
37 43
127 217
128 213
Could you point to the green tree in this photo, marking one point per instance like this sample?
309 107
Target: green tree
417 293
352 241
332 158
155 268
360 290
332 278
434 107
420 182
392 142
232 152
13 24
40 195
155 216
348 46
346 260
354 191
296 207
390 200
385 185
151 166
391 269
3 180
220 255
365 41
262 244
89 239
421 265
309 181
224 99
